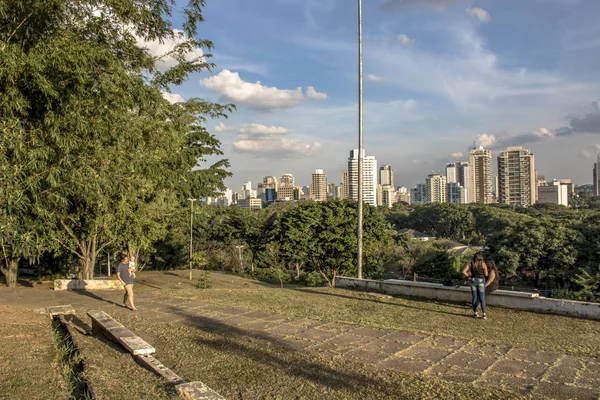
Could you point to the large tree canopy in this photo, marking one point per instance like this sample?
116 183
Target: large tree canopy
105 152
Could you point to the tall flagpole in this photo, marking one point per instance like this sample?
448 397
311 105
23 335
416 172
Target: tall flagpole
360 145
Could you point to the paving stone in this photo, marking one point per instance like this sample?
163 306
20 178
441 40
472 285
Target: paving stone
406 365
369 332
285 330
366 356
386 347
485 349
278 318
297 344
469 360
315 335
547 357
261 325
561 374
305 323
239 321
520 369
589 375
341 343
404 337
232 311
425 353
444 342
337 327
558 391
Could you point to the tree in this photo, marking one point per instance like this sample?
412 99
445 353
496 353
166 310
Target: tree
87 98
323 235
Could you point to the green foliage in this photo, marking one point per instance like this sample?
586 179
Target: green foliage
89 146
199 260
203 281
589 283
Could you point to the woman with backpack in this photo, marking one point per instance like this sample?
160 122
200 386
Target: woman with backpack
477 271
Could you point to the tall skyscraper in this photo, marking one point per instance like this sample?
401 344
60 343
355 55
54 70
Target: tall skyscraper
287 180
451 173
418 194
436 188
386 175
597 177
455 193
246 191
345 187
480 176
388 196
369 178
403 194
318 187
331 191
517 183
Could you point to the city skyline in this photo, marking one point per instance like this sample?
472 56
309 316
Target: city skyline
439 77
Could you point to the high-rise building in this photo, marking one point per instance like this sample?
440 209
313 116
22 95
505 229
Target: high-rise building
289 192
250 203
345 187
338 191
246 190
455 193
597 177
287 180
553 192
331 191
480 176
369 178
569 184
436 188
379 195
451 173
318 187
418 194
386 175
403 194
517 184
388 196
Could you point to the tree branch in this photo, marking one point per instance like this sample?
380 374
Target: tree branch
15 31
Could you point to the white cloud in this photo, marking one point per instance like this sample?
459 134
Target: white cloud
311 93
372 77
484 140
252 129
173 97
160 50
275 147
585 154
596 105
405 40
255 95
479 14
456 155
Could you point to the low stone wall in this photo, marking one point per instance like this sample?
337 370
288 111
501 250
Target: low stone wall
78 284
500 298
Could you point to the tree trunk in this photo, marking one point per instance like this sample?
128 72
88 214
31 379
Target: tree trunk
87 262
9 268
297 265
334 273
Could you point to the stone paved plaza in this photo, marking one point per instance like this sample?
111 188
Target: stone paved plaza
549 374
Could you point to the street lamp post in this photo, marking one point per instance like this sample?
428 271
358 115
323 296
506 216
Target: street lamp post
191 234
360 145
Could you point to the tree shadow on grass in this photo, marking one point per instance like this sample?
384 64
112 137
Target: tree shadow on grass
293 362
458 314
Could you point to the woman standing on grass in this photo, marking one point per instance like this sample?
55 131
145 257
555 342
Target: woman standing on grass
477 271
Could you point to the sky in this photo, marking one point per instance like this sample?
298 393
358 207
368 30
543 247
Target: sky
440 76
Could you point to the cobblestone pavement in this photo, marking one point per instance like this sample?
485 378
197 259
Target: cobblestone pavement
549 374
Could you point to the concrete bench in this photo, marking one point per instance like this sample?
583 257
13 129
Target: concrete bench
80 284
104 323
141 350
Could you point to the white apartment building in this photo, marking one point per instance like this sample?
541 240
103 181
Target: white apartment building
517 179
369 178
435 188
480 176
554 192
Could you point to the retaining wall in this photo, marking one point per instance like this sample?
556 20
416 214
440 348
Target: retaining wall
79 284
500 298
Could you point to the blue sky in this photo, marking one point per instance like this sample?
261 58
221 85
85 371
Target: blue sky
439 76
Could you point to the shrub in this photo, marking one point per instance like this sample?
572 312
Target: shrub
204 280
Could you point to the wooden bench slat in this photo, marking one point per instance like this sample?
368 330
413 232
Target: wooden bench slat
158 368
60 310
197 390
115 331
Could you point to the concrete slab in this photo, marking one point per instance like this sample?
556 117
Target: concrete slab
197 390
60 310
